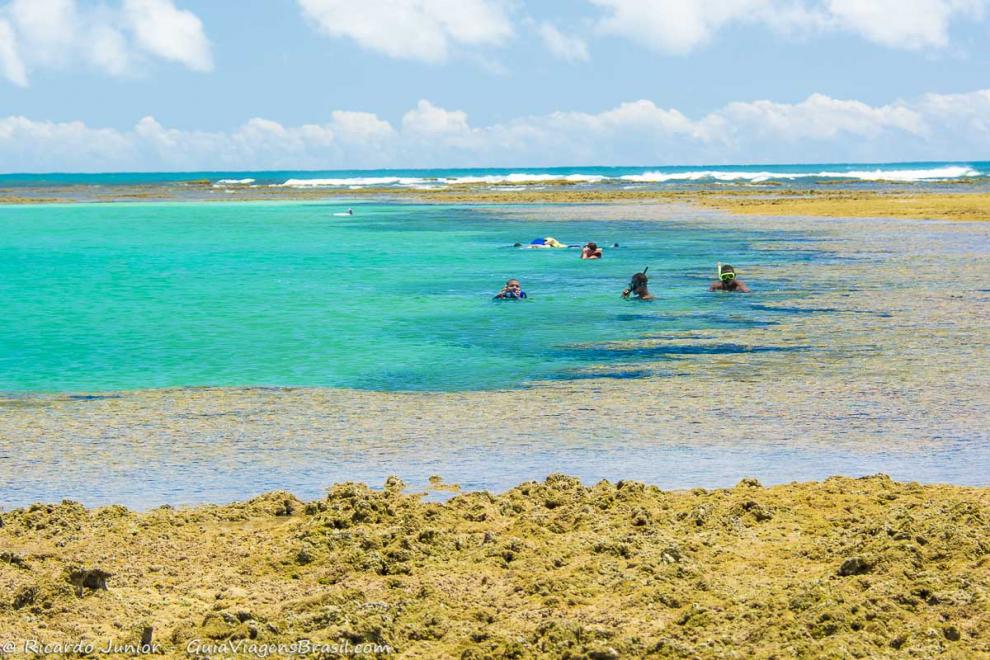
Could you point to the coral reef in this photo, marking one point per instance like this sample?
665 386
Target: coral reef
845 567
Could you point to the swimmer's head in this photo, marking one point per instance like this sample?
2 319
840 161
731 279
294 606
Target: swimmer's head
727 273
513 284
592 246
639 280
517 245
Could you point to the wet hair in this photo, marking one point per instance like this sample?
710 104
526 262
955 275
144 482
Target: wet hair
726 268
517 245
593 246
615 245
639 280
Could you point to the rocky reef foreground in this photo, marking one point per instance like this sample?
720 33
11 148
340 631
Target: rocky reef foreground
844 567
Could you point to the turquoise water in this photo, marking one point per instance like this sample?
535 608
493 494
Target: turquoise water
397 297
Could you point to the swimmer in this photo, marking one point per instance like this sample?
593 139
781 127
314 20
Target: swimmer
511 291
727 280
350 211
548 242
591 251
638 287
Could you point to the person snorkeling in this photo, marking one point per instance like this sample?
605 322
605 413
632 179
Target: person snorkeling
591 251
638 287
547 242
511 291
727 280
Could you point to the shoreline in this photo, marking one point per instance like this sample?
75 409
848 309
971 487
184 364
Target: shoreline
861 566
831 201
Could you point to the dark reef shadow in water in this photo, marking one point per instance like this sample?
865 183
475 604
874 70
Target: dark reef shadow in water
631 374
92 397
607 354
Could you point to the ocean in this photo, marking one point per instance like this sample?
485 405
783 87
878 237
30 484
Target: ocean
633 176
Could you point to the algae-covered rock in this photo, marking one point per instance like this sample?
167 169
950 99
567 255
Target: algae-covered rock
855 566
83 579
846 567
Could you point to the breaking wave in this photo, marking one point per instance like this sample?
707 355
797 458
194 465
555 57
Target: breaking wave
933 174
657 176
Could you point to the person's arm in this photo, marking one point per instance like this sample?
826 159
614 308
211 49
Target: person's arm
625 293
716 286
741 287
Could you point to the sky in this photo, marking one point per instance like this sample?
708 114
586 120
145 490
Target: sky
125 85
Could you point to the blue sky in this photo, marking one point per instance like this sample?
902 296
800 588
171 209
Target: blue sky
187 84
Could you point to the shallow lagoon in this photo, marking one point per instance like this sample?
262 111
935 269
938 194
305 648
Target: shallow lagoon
858 354
397 297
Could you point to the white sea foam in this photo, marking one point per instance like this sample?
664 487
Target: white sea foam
233 182
933 174
353 181
517 179
702 175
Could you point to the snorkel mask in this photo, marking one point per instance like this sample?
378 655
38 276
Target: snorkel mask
635 283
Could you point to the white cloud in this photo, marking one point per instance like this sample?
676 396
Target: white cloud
360 126
46 28
108 50
820 117
673 26
65 34
170 33
42 145
817 129
677 27
569 48
903 23
11 64
412 29
431 120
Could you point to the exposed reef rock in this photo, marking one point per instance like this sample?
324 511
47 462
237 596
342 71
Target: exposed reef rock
845 567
